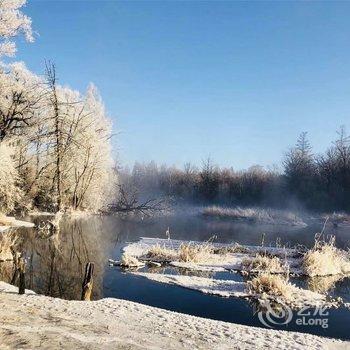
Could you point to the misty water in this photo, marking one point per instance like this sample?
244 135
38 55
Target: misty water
56 265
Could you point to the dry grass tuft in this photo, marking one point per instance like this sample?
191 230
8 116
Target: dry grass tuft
161 253
271 285
187 252
324 259
264 262
195 252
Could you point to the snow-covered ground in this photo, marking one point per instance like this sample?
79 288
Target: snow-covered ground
227 262
300 298
145 243
288 260
32 321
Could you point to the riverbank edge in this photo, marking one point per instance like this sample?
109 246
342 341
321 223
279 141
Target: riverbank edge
30 321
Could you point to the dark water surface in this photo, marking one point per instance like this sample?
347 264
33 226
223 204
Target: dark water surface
56 266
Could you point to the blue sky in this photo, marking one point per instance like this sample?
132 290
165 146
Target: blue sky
183 80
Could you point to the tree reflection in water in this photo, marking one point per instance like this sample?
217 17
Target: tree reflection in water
56 264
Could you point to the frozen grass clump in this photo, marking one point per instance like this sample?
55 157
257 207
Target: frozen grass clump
323 284
186 252
130 261
161 253
264 262
271 285
195 252
325 259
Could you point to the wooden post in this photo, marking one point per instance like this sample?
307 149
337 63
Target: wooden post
87 282
22 281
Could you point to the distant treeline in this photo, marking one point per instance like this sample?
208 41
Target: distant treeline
315 182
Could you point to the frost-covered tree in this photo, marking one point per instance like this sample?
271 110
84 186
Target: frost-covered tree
10 194
13 23
59 139
92 173
300 169
71 152
334 171
16 100
20 95
22 110
209 180
299 160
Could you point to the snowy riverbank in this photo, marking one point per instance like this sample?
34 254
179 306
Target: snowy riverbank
30 321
